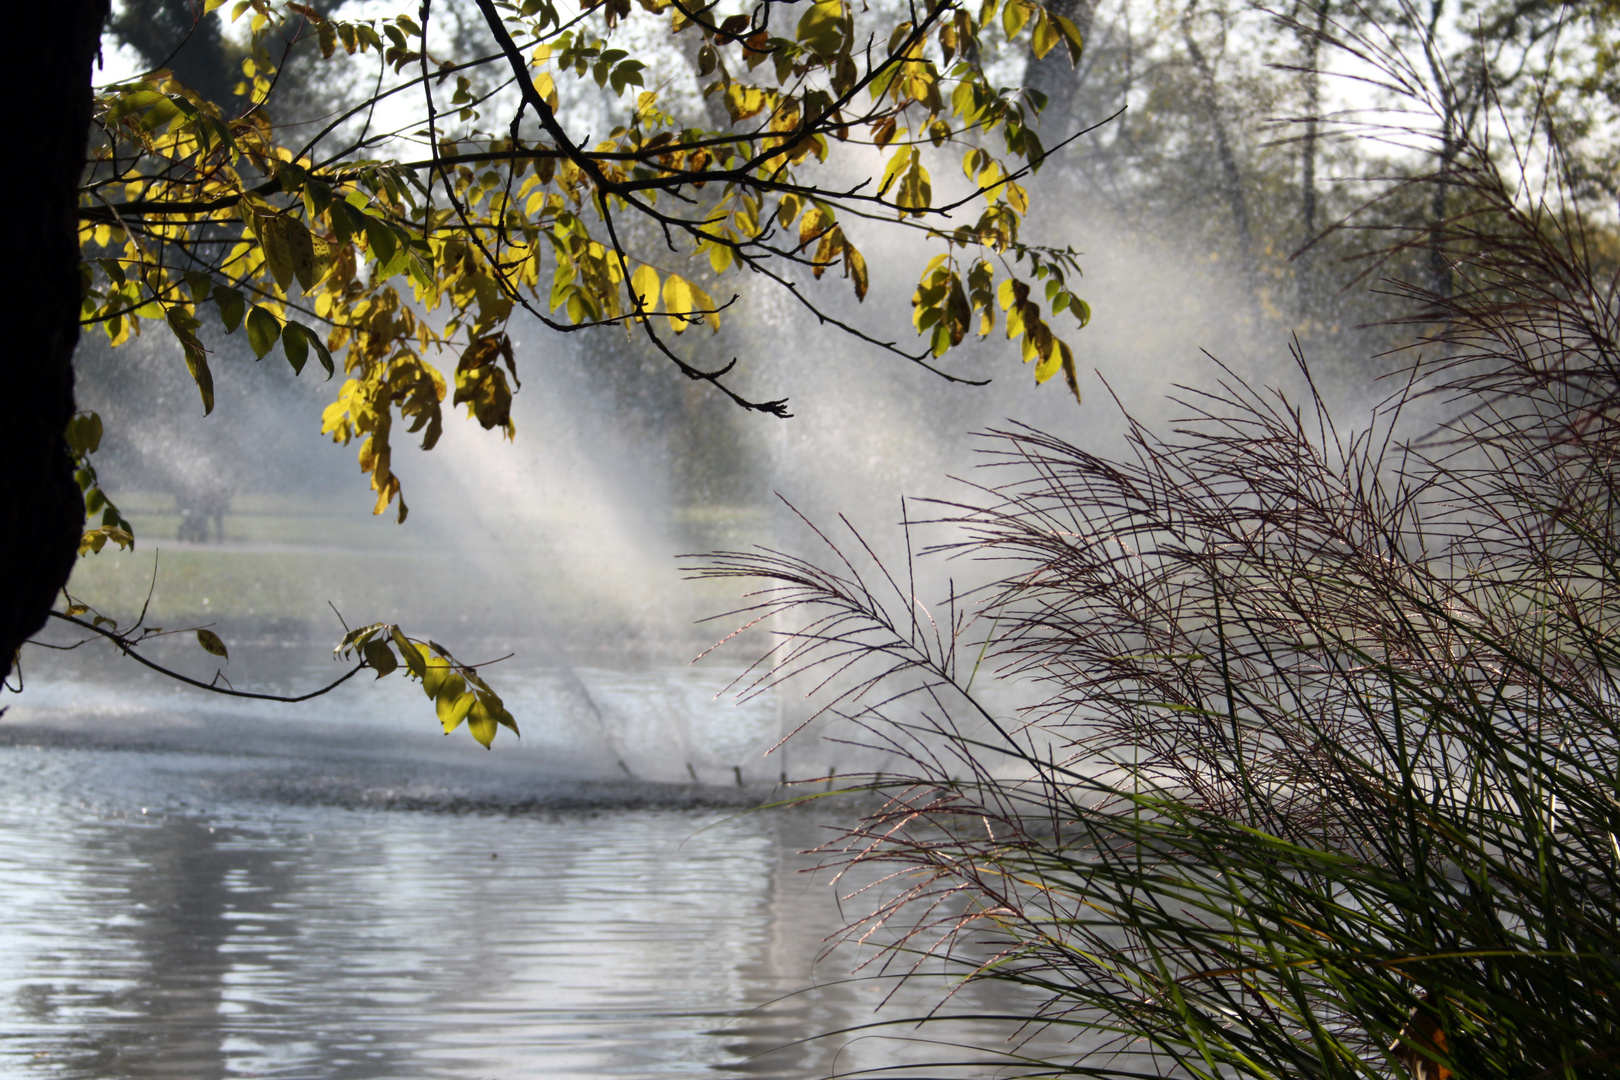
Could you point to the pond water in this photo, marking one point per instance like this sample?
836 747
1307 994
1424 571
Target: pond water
194 894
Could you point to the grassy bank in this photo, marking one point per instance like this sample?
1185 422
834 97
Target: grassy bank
282 561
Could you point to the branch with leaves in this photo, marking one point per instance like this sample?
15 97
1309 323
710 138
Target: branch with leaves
457 200
458 691
127 642
380 264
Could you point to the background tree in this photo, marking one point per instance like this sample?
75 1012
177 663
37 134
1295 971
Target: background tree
1230 149
169 34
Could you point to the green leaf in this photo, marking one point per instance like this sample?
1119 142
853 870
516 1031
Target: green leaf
482 721
1014 16
627 73
288 250
262 331
295 339
212 644
820 28
436 674
200 285
231 306
1072 40
342 219
197 365
322 353
380 238
415 662
453 703
1044 38
380 656
84 434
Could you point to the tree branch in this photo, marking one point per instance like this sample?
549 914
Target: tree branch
127 647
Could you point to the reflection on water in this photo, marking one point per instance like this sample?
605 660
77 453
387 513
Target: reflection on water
178 914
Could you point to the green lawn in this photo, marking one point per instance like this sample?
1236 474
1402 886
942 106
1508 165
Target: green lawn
283 560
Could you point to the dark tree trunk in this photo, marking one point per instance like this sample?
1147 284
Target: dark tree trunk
170 34
1439 265
1226 154
1053 74
1305 265
51 48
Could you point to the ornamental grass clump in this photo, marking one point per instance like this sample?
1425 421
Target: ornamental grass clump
1322 781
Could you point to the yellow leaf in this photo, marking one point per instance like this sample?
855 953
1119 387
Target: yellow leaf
1071 37
901 158
1070 375
743 101
721 257
831 246
814 223
1006 293
454 704
1048 367
644 284
482 721
96 539
415 658
1039 336
436 672
1014 16
1017 198
546 86
989 178
1015 323
1044 37
385 495
703 302
855 267
678 299
916 191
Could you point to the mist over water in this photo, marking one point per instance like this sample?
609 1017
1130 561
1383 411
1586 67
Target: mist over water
212 887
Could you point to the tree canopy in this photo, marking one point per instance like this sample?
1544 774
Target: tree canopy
380 247
394 233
